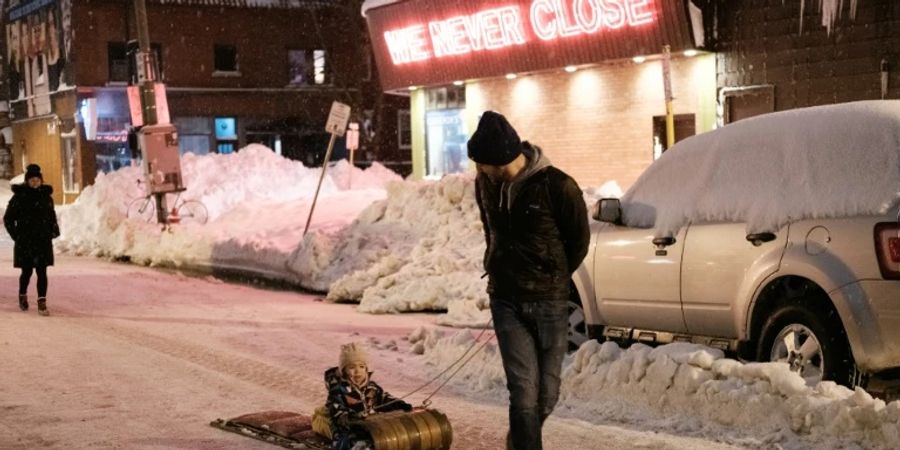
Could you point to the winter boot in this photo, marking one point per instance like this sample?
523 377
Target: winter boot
23 302
42 307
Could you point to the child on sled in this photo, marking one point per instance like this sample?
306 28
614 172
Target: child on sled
352 396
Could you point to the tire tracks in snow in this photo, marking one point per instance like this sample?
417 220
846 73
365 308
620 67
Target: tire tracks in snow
279 379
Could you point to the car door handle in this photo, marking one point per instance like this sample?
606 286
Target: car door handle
663 241
757 239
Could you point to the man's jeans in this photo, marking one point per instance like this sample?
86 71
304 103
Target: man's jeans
533 341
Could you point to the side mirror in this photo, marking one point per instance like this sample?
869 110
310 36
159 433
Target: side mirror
608 210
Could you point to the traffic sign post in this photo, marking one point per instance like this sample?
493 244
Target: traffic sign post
352 145
336 125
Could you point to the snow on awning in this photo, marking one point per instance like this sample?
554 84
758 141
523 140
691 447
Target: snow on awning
819 162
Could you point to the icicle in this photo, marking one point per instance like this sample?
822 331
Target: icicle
802 8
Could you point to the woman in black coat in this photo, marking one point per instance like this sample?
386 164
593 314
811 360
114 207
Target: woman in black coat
31 222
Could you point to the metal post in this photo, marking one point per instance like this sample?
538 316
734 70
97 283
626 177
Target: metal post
319 186
146 69
667 85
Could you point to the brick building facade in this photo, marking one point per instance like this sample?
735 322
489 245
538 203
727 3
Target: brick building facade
236 72
772 58
591 92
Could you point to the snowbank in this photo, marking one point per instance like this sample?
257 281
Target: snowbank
5 195
825 161
257 201
420 249
689 389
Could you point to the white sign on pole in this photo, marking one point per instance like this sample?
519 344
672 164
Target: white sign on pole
162 104
353 136
134 106
338 118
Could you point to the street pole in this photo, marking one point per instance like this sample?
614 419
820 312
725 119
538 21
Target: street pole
146 70
667 85
319 186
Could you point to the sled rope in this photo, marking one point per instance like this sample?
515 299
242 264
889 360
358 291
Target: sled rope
427 401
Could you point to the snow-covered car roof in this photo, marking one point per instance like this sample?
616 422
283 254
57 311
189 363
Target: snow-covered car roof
819 162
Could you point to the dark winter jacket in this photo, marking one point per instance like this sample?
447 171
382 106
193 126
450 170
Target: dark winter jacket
536 230
347 402
31 222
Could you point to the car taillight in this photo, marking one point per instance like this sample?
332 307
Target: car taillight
887 246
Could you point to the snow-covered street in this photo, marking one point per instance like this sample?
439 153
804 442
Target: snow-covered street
133 357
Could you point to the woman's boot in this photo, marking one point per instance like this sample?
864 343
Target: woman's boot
42 306
23 302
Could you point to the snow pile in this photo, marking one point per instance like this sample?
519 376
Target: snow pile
258 204
419 249
819 162
690 389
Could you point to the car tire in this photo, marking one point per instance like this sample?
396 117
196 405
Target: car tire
577 331
814 344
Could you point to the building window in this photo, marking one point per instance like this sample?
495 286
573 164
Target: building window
194 134
308 67
404 129
450 97
118 62
68 165
225 58
226 134
122 64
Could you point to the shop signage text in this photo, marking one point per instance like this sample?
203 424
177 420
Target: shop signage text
498 28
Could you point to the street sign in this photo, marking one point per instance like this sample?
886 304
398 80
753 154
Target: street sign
338 118
353 136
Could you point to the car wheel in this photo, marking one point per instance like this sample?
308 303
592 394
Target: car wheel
577 327
813 346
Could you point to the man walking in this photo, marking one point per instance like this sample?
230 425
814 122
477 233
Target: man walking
536 230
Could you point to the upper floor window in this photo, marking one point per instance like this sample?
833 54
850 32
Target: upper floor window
308 67
121 61
225 58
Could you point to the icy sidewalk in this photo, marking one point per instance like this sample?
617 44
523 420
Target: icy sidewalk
687 389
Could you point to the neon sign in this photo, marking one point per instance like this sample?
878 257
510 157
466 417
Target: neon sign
498 28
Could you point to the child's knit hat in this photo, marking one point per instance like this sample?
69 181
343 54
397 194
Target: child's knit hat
351 353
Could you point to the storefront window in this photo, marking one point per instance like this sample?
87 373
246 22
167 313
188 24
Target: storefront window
194 134
226 134
446 142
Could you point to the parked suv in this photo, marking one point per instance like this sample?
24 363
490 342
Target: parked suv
775 237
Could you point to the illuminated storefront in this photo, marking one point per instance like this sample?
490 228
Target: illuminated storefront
583 79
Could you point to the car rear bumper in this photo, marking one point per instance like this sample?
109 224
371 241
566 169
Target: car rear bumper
870 310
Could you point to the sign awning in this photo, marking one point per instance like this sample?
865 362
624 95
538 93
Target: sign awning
435 42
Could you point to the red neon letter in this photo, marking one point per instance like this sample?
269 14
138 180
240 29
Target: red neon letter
567 27
544 26
614 13
588 26
473 29
449 37
512 25
396 42
417 38
637 16
490 27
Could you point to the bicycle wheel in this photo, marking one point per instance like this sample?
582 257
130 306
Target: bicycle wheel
193 211
143 209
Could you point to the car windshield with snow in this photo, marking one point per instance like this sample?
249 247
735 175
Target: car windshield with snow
775 237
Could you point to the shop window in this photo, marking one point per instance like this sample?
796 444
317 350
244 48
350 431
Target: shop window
685 127
70 185
194 134
445 142
225 58
226 134
308 67
404 129
450 97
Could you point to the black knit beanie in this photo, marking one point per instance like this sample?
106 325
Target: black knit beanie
495 142
33 170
